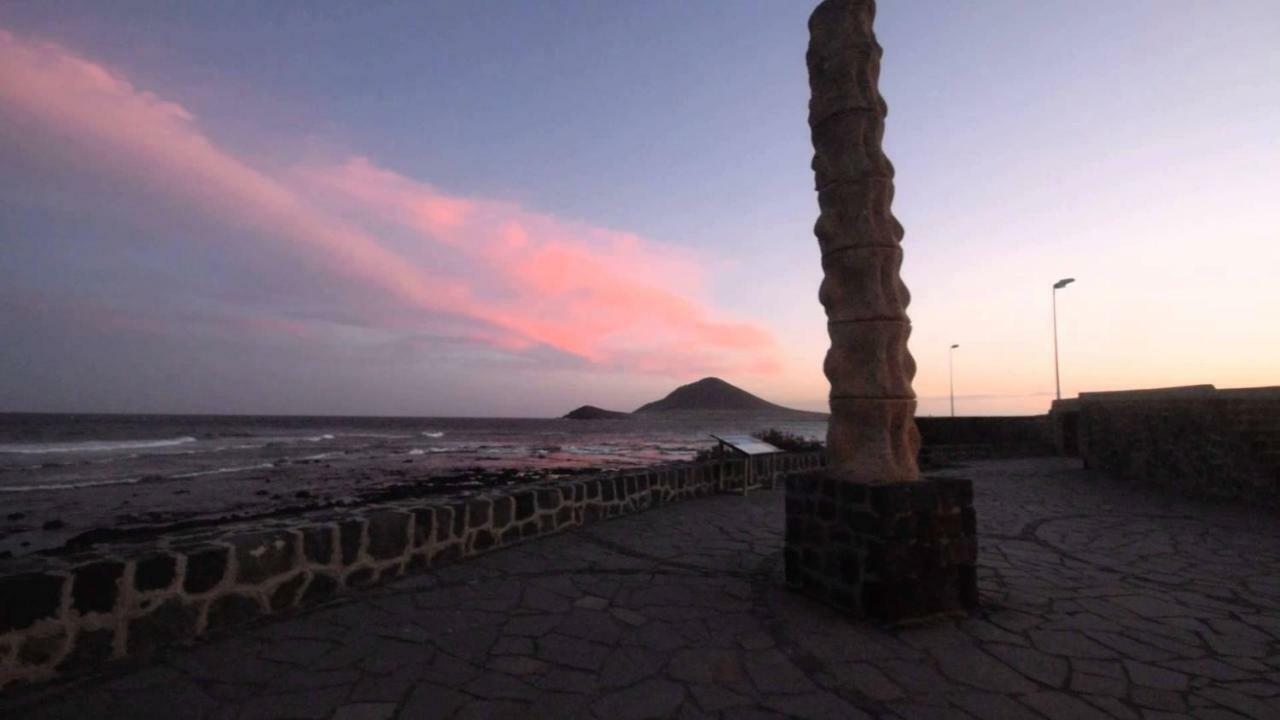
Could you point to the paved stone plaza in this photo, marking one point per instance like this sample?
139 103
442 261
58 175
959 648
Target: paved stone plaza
1099 600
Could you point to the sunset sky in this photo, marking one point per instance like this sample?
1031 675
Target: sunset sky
514 208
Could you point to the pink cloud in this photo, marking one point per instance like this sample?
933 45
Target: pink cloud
136 133
608 296
518 278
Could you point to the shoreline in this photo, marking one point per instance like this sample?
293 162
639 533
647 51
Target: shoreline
71 613
456 483
74 480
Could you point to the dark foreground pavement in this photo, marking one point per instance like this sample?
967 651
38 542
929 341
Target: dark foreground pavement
1099 600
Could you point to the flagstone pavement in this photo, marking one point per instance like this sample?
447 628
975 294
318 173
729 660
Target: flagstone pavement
1099 600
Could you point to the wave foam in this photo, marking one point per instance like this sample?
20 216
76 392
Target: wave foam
91 446
384 436
220 471
68 486
435 449
593 450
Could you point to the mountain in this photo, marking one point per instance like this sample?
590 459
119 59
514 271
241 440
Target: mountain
708 395
714 394
591 412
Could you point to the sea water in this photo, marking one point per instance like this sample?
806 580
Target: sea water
61 475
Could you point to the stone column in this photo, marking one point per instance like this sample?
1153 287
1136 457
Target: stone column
867 534
872 435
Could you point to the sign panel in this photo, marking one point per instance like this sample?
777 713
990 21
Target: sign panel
747 445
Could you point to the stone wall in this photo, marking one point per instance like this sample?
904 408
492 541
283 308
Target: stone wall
66 614
955 438
1064 426
1203 442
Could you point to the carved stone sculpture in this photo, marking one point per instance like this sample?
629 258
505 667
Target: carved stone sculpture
872 435
866 534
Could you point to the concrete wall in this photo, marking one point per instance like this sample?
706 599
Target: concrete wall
1199 441
67 614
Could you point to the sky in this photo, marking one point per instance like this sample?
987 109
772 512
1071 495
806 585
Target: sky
511 209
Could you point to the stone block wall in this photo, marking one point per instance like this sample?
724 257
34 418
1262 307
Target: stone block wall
1199 441
764 471
957 438
889 551
67 614
1064 426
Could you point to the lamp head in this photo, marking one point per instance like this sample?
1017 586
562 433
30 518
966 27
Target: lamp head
953 347
1063 283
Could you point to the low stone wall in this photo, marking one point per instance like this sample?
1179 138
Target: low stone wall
66 614
1202 442
958 438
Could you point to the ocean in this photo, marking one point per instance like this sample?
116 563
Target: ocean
71 478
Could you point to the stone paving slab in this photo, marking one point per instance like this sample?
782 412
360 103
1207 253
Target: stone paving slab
1100 599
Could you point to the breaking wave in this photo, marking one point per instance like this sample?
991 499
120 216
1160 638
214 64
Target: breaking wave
91 446
68 486
437 449
220 471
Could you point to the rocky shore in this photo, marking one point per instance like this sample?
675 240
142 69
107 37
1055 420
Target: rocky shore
24 532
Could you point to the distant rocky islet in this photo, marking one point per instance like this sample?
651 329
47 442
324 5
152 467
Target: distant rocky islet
708 395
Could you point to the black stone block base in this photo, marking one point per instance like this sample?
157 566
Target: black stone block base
891 552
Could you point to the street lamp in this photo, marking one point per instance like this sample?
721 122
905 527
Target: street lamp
951 374
1057 382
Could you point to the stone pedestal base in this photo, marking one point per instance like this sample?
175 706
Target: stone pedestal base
891 551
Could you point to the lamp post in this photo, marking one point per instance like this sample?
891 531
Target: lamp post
1057 382
951 375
